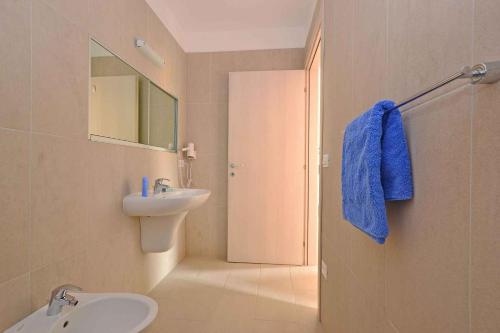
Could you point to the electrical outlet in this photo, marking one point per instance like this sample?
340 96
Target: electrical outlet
324 269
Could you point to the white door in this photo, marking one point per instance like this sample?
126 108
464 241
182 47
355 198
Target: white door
115 107
266 174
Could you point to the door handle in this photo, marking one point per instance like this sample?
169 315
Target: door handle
236 165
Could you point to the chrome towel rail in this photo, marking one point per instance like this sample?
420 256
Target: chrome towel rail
485 73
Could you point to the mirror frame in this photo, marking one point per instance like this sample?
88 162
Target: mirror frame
105 139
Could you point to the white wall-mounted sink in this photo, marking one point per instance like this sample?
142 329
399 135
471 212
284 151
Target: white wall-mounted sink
167 203
161 214
94 313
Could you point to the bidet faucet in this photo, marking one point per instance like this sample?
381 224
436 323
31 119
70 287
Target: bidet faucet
160 187
59 297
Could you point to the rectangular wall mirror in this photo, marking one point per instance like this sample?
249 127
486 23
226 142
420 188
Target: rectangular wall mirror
125 106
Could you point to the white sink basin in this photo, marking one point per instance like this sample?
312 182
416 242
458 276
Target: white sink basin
166 203
94 313
161 215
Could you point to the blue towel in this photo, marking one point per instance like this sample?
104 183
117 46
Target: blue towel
375 167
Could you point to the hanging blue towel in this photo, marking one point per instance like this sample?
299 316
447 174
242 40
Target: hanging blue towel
375 167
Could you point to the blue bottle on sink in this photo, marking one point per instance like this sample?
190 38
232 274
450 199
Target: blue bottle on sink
145 186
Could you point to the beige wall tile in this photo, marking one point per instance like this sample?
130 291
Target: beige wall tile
298 58
284 59
365 314
135 169
485 296
221 63
334 296
427 250
220 130
176 81
199 77
14 217
111 263
199 115
370 74
485 192
179 80
76 12
253 60
14 300
58 199
60 74
139 25
15 92
208 129
217 174
105 22
106 189
73 270
218 231
200 171
486 45
368 265
158 161
197 231
156 36
423 53
181 126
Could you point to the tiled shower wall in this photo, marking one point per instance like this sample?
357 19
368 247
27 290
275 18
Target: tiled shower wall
61 219
439 270
208 75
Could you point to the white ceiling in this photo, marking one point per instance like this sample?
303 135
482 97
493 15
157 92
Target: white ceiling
230 25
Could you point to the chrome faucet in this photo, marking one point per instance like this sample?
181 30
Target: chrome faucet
59 298
160 187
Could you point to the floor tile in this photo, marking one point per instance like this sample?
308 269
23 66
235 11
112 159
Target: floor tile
213 296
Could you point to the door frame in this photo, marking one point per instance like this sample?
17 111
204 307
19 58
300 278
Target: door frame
317 47
315 50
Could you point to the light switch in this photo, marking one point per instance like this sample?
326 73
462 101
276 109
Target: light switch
326 161
324 269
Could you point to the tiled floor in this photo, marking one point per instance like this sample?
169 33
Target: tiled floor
210 296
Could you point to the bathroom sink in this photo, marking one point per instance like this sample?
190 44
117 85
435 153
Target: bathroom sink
167 203
94 313
161 214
